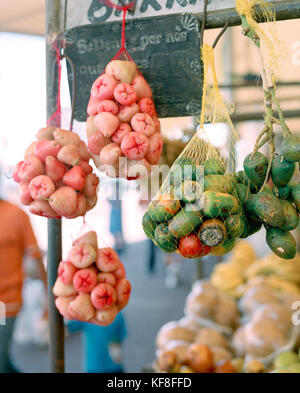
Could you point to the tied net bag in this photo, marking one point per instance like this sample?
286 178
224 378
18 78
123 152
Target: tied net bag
123 129
197 210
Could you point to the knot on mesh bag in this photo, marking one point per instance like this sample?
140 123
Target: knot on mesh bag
197 210
123 129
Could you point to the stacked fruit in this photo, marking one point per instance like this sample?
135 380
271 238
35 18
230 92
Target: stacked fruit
122 122
55 178
91 285
277 208
198 213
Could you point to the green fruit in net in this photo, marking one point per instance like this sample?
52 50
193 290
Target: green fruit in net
148 225
164 239
296 196
216 204
185 169
163 208
283 192
189 191
242 191
241 177
187 220
212 232
213 166
224 248
285 359
234 225
291 216
220 183
281 243
256 168
290 148
282 171
268 208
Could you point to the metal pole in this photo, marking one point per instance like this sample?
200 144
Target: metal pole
54 252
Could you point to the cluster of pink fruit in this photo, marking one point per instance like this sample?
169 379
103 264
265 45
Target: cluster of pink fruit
123 122
91 285
55 178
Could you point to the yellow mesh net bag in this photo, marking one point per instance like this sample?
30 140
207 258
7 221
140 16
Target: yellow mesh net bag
197 209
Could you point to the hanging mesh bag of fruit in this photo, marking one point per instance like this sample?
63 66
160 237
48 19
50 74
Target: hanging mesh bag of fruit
123 129
277 208
197 210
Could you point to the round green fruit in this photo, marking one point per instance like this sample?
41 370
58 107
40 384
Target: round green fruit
148 225
164 239
283 192
187 220
282 171
285 359
281 243
290 148
256 168
214 166
268 208
291 216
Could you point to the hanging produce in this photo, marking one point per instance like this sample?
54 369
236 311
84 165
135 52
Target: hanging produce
123 129
55 178
91 285
277 208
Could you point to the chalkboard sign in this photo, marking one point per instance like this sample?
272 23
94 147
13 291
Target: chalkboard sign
166 49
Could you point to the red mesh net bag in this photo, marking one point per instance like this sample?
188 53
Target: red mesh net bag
123 128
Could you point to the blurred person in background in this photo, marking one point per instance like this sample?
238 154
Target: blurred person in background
17 241
102 345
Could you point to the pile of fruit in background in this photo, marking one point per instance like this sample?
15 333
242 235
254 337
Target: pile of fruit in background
251 332
91 285
122 122
55 178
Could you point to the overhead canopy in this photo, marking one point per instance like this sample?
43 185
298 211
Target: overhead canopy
23 16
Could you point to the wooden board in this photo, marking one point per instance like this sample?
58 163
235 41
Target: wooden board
166 50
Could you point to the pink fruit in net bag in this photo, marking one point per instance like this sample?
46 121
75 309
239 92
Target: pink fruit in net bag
64 137
107 259
103 296
120 132
108 106
107 278
126 113
41 187
137 169
85 166
84 280
66 272
135 145
15 173
106 317
54 168
97 141
81 308
69 155
82 255
92 108
45 133
63 201
122 71
42 208
90 126
141 87
60 289
75 178
157 124
91 202
24 193
125 94
81 207
91 184
29 151
120 271
83 151
107 123
88 238
146 105
31 168
62 304
123 289
155 148
103 87
110 155
42 149
143 123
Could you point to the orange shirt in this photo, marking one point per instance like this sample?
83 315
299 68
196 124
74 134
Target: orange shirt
16 238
